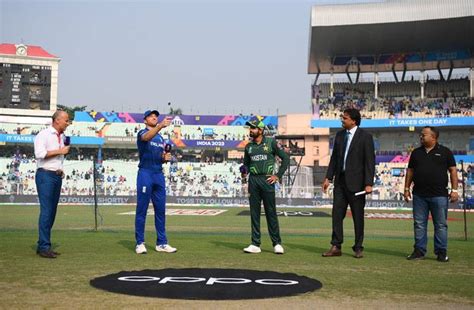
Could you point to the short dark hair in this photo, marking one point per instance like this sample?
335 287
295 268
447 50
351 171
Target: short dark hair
434 130
354 114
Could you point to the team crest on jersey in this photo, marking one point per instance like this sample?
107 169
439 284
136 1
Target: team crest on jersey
265 148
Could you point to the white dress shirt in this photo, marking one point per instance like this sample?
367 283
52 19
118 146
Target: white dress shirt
49 140
349 140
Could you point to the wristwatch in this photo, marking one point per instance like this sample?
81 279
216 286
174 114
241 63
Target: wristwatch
407 189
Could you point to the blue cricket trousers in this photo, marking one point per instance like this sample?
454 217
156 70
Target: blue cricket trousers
150 185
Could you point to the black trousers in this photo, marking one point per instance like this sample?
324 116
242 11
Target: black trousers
342 198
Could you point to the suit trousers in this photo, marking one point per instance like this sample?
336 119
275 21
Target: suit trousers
342 198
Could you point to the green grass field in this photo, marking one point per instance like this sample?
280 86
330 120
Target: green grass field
382 279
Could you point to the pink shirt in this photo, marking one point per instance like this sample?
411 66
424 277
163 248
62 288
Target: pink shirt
49 140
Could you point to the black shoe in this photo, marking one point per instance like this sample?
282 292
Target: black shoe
442 257
416 255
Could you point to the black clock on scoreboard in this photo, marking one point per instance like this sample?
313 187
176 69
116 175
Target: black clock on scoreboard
25 86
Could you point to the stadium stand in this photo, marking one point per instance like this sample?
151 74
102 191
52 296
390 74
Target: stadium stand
118 178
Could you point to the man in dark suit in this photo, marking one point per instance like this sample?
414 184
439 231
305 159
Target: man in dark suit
352 166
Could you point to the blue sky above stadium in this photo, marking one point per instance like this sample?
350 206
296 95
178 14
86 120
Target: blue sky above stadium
208 57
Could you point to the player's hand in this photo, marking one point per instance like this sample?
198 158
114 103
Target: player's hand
272 179
166 156
407 195
368 189
326 184
64 150
166 122
453 197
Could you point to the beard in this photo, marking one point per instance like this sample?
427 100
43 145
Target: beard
253 135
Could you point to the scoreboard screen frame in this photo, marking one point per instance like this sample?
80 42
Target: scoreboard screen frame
25 86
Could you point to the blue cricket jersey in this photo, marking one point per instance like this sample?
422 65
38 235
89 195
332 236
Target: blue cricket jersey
150 152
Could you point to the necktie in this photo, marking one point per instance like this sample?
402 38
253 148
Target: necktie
58 134
344 147
346 138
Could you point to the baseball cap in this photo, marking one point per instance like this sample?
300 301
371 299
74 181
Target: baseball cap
255 122
149 112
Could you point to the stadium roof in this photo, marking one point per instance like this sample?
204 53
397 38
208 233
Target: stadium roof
31 51
421 33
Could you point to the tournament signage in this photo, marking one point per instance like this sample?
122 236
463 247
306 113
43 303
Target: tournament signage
206 284
177 120
30 139
203 201
398 122
225 144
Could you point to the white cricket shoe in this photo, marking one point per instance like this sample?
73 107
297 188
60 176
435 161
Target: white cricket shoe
140 248
253 249
165 248
278 249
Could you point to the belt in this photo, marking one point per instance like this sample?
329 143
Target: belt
56 172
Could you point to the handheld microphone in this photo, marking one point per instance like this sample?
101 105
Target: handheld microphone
168 147
67 141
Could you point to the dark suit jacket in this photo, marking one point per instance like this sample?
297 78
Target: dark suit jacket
360 162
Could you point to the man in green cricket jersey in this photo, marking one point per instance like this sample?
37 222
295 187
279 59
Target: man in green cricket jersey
259 160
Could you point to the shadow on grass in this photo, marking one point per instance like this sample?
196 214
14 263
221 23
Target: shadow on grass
128 244
305 247
230 245
388 252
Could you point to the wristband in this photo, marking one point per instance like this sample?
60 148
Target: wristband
454 191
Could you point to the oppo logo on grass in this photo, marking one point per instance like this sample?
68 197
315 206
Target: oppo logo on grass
206 284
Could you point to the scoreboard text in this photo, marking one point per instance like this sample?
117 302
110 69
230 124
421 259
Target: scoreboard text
25 86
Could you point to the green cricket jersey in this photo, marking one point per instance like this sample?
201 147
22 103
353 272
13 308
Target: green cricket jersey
260 158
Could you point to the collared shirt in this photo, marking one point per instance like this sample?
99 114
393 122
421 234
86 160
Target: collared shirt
351 134
150 152
430 170
49 140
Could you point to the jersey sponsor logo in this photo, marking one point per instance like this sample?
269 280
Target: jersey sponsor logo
162 145
259 157
206 284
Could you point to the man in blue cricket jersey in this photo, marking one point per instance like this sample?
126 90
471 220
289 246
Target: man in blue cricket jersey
151 181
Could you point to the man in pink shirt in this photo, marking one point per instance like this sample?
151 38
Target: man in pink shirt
49 153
